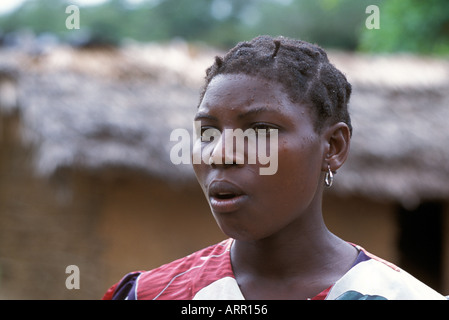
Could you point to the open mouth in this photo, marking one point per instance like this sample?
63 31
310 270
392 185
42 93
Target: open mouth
225 196
224 190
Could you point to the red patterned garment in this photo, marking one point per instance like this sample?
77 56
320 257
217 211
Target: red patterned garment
207 275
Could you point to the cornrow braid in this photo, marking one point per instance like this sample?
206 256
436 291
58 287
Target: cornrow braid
302 68
277 43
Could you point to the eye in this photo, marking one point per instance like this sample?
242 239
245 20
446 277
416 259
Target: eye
209 132
264 128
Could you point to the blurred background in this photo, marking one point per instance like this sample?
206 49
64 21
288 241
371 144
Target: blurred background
86 113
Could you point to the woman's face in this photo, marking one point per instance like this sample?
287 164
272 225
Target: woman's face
246 204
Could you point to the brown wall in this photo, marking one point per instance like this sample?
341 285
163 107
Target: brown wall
146 223
105 225
369 224
44 227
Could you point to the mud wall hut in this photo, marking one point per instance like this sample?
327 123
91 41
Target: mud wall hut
86 178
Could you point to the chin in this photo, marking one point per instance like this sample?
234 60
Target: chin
243 234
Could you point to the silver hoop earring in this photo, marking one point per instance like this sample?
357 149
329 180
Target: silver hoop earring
329 177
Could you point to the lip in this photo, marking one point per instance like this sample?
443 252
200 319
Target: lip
225 197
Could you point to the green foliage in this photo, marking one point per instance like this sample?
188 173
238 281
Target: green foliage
410 26
406 25
39 16
330 23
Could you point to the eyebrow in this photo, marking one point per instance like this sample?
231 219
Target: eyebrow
243 115
255 111
202 115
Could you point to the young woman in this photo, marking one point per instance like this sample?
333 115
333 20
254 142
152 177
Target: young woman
278 246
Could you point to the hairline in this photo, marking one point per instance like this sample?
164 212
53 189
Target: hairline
309 105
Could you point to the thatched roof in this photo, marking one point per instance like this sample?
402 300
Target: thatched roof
116 108
400 110
101 108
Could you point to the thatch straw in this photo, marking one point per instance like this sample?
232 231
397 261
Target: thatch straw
96 109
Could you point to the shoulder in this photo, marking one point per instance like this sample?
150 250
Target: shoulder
180 279
376 278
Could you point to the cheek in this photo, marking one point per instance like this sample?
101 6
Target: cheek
299 164
200 173
199 160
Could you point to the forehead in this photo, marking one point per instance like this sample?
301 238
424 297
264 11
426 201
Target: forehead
242 91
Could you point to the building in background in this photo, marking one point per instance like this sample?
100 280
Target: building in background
86 177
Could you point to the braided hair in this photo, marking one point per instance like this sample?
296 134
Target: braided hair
302 68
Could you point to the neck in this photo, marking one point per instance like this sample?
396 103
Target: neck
298 261
288 253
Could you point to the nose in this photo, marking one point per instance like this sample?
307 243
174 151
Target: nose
227 151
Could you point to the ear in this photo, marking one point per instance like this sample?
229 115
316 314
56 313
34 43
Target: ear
337 140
